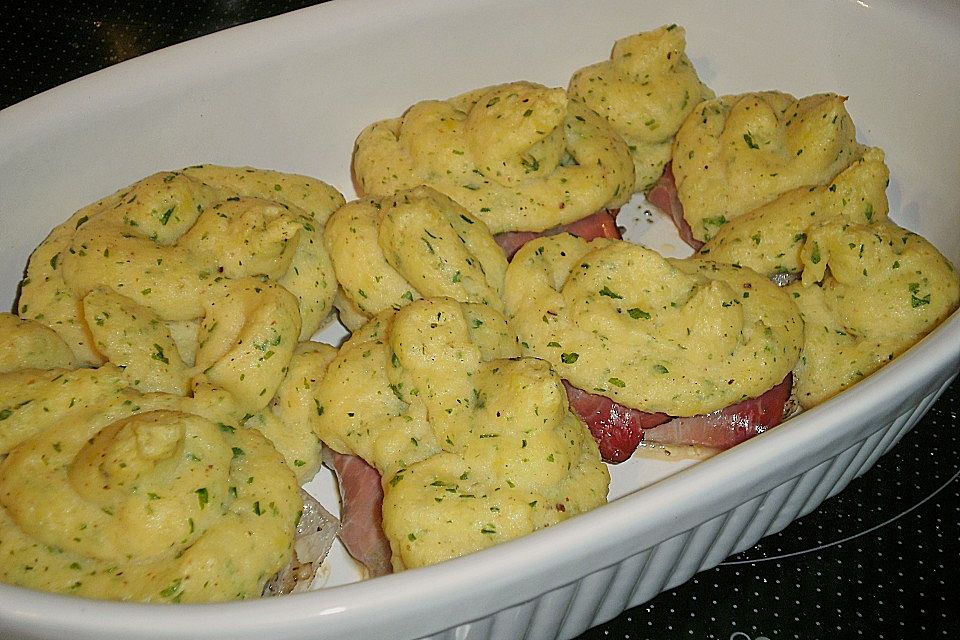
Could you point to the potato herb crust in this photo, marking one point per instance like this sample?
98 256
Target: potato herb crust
474 445
391 251
682 337
149 477
112 493
736 153
645 91
519 156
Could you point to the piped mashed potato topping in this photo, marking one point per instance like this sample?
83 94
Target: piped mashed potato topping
770 238
290 419
169 240
108 492
682 337
179 457
474 445
868 292
417 243
645 91
30 345
868 289
519 156
736 153
210 275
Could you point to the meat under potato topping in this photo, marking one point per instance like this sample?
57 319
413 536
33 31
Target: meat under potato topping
161 400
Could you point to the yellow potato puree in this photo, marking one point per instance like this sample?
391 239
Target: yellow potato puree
869 292
209 275
169 241
28 344
735 153
769 239
682 337
149 478
391 251
108 492
645 91
868 289
475 446
519 156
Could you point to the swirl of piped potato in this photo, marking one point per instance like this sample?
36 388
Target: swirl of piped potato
29 344
391 251
868 292
206 276
770 239
289 421
107 492
645 91
310 275
474 445
735 153
164 241
682 337
245 344
519 156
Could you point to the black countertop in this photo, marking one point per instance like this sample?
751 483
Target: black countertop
877 561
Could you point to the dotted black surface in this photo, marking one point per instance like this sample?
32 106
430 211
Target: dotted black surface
878 561
46 44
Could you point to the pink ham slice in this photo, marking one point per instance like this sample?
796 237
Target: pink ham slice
618 430
599 225
727 427
664 196
361 514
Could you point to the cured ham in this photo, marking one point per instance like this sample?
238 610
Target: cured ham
664 196
361 515
616 428
602 224
726 427
619 430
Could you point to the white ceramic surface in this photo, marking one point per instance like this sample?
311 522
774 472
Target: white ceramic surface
292 92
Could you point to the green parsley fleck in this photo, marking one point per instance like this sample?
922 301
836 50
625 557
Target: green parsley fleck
172 589
815 254
158 354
